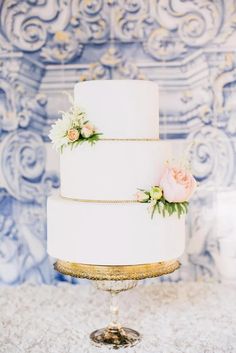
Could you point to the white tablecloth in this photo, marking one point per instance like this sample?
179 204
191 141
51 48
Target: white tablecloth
173 318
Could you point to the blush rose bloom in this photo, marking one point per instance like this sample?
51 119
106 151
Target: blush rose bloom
177 184
73 135
141 196
87 130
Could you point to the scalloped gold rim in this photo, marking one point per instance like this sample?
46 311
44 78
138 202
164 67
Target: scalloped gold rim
116 273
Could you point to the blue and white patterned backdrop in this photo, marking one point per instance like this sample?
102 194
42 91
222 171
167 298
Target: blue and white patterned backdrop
187 46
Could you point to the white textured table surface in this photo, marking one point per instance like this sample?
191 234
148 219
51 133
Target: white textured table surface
173 318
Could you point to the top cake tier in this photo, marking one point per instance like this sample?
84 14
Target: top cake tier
120 108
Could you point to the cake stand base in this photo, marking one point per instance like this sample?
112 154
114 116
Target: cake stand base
114 280
115 337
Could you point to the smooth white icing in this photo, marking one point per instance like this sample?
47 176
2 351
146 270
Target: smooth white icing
121 108
111 234
111 169
108 233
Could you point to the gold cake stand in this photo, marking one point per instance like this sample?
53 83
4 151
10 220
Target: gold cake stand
115 279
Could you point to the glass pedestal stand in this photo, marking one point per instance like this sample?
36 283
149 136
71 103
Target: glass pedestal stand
115 335
115 279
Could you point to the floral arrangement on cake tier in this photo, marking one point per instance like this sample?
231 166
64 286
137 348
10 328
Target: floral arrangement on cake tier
73 128
171 194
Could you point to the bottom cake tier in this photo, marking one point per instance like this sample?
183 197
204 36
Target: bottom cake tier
111 233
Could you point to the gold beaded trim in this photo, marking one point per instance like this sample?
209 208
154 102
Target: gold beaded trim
116 272
100 201
130 139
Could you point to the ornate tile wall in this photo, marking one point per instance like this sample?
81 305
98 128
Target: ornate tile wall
187 46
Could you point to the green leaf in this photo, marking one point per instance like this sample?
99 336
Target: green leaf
185 205
153 211
172 209
158 208
167 207
179 208
163 211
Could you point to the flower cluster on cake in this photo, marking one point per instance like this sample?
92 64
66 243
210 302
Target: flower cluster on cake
171 193
73 128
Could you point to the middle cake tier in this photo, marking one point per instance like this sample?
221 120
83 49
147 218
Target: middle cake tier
112 170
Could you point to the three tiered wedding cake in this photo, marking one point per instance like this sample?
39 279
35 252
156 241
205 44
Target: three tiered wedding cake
99 217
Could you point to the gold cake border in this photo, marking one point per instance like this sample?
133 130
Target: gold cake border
129 139
116 272
100 201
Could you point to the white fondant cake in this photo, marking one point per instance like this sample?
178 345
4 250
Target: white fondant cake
111 234
121 108
83 226
112 170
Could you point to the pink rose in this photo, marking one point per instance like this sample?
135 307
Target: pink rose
87 130
73 135
177 184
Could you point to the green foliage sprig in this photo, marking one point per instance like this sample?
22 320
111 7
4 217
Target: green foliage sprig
159 204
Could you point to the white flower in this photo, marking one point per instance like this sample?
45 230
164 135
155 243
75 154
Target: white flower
59 131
